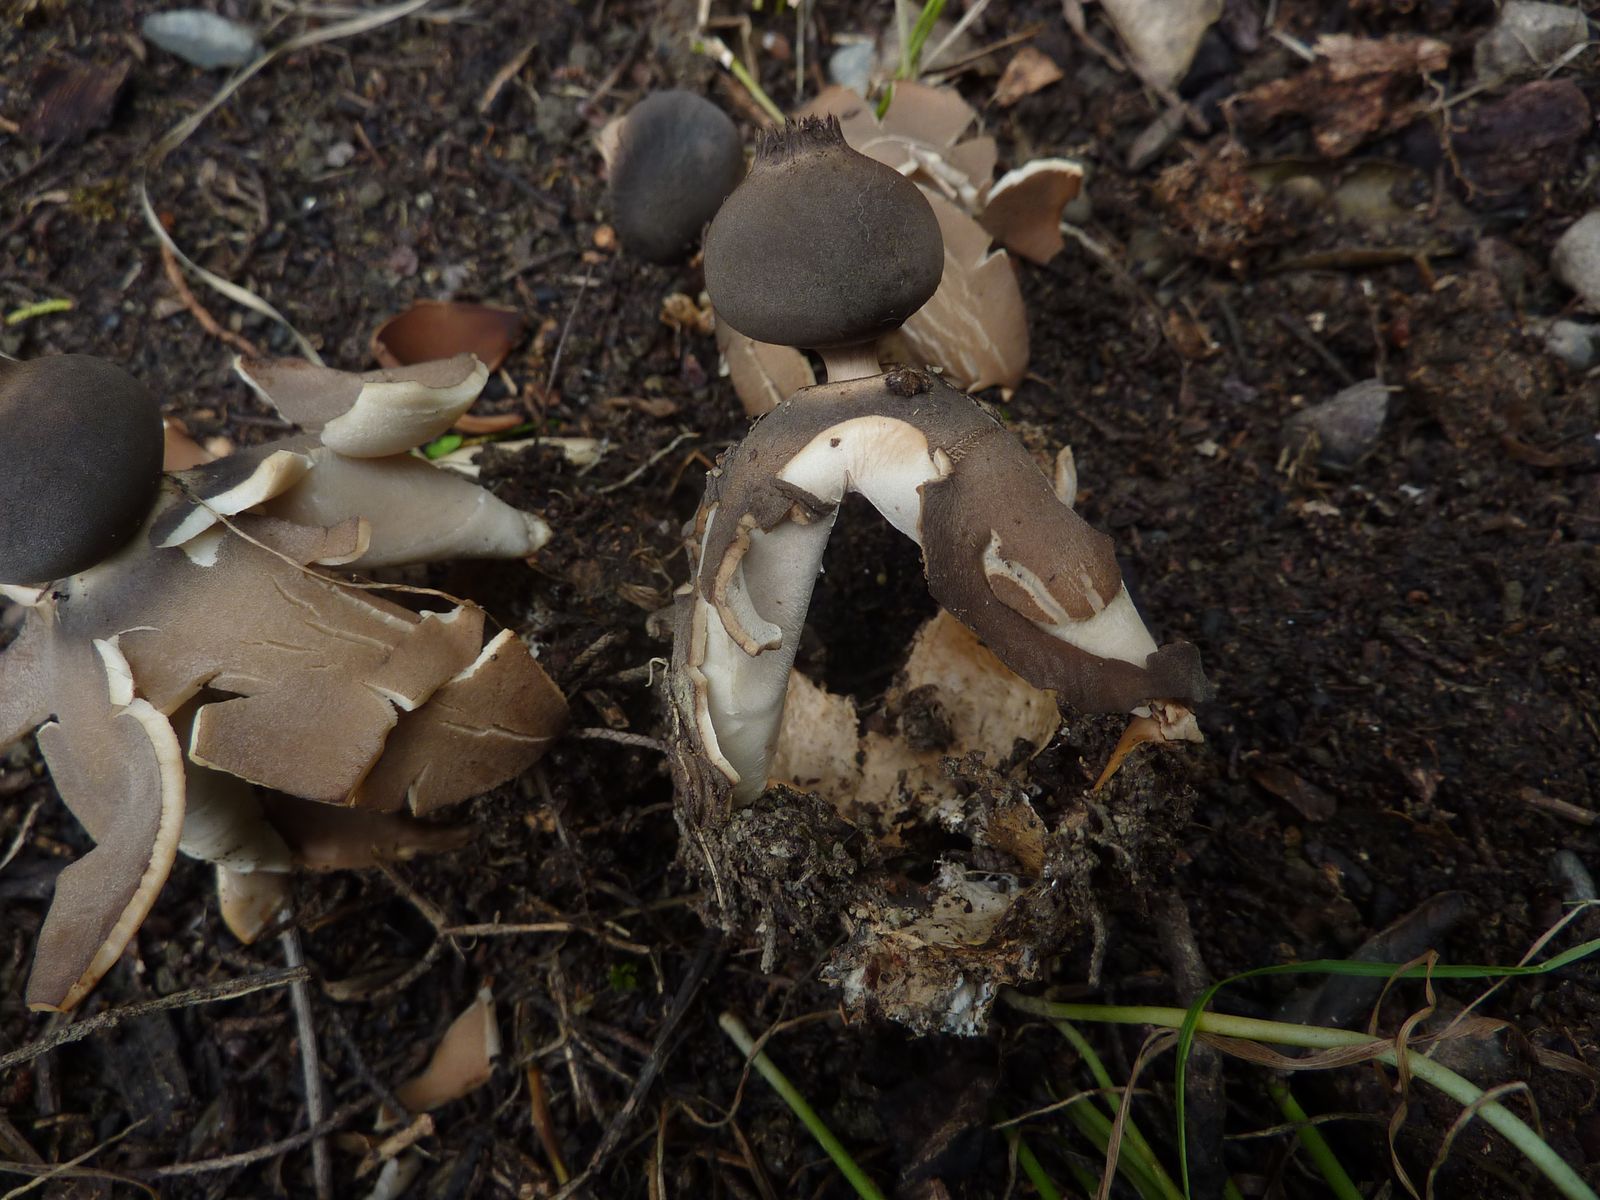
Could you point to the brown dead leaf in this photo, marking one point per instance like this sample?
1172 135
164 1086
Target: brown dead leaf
179 451
463 1060
436 329
1162 35
1030 70
1024 207
1530 134
680 312
920 136
1307 799
975 327
764 375
473 424
74 98
1357 88
650 406
1190 337
1218 209
1016 829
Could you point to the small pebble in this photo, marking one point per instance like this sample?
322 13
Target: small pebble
1577 885
1576 258
1575 343
339 155
851 66
1346 427
1528 37
202 39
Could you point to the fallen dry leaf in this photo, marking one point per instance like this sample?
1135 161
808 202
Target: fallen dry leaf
763 375
1517 140
1190 337
1357 88
1030 70
976 326
680 312
474 425
1023 210
1310 801
75 98
463 1060
1162 35
436 329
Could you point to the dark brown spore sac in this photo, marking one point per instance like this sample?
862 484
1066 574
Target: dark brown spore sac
83 438
678 159
821 246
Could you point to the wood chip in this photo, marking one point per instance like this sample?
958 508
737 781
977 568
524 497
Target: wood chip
1307 799
1030 70
74 98
435 329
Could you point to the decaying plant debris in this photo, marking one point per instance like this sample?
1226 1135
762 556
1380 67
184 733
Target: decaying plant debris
1403 649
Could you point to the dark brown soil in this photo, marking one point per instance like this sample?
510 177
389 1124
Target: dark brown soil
1406 652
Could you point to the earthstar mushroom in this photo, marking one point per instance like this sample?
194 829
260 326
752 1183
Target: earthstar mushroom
209 641
676 158
797 257
1000 551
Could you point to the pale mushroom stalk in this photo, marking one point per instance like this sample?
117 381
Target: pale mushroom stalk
856 361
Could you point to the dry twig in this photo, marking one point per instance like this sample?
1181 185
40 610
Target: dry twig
229 990
310 1064
174 273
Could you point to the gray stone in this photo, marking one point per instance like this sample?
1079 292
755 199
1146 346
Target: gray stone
1345 428
1528 37
1575 343
201 38
851 66
1576 258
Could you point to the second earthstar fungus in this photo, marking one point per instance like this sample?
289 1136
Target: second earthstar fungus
672 160
975 326
1037 584
215 663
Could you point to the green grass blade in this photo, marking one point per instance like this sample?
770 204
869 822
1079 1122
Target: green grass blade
1033 1168
848 1167
911 55
1317 1148
1512 1127
1133 1139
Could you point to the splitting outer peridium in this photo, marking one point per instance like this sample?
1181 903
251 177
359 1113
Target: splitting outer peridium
739 696
164 849
739 658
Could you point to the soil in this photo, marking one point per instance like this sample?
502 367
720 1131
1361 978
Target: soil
1405 650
